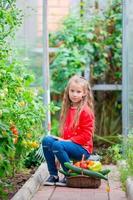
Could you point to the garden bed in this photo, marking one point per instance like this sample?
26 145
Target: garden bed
31 186
18 181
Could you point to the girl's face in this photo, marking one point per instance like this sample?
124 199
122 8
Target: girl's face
76 93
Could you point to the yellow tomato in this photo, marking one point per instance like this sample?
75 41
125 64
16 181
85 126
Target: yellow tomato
15 140
5 90
28 135
12 155
21 103
1 112
35 145
24 143
1 157
107 188
4 133
2 95
29 143
19 90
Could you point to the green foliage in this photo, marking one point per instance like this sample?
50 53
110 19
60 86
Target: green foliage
31 160
120 150
71 57
123 176
129 153
4 186
10 20
21 107
108 113
96 42
55 127
115 152
126 170
109 148
107 139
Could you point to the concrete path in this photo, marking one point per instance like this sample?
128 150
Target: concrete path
66 193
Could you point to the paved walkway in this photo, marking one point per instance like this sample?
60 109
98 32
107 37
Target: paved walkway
66 193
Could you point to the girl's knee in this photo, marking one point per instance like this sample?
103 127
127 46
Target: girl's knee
56 147
46 140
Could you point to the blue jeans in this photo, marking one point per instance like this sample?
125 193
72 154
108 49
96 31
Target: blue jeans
63 151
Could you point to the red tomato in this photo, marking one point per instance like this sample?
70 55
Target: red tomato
83 165
15 131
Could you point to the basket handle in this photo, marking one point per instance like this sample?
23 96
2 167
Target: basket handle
83 158
82 172
82 161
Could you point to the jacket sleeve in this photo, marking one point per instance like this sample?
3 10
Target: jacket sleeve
84 131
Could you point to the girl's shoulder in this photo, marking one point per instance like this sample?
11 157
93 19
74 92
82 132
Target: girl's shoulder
86 110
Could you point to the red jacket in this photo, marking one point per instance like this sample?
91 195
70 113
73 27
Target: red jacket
83 133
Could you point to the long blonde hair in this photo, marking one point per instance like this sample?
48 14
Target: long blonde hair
66 104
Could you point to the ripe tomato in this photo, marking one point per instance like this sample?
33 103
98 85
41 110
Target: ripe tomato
83 165
12 127
15 131
90 162
77 164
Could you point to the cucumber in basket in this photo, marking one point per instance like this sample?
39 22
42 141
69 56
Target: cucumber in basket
68 173
87 172
105 171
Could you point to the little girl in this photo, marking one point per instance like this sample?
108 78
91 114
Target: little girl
76 129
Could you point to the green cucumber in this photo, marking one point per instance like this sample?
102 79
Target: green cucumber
67 173
84 171
105 171
73 174
64 172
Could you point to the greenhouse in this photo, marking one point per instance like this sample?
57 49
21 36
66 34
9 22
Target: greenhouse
61 58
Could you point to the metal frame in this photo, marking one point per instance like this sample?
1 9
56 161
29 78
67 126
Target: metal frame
45 67
125 109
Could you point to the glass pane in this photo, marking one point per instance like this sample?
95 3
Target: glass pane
29 37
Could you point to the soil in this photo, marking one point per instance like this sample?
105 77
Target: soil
19 180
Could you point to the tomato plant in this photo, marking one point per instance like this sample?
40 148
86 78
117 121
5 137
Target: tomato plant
21 109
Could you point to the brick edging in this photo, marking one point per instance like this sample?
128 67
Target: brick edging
31 186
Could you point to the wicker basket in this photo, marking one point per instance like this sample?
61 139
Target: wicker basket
82 181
